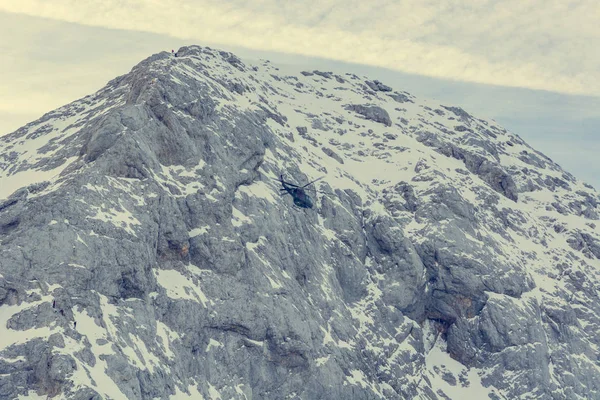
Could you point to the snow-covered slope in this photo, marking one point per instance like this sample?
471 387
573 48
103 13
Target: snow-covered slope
146 252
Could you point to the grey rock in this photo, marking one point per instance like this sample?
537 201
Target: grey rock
490 171
162 261
378 86
585 243
408 201
318 124
332 154
370 112
461 128
327 75
400 97
459 112
86 394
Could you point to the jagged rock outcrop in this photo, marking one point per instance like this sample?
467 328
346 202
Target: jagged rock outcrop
371 112
378 86
146 252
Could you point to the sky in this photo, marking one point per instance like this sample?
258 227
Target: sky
531 65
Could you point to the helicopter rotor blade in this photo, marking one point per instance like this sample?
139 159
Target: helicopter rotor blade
312 182
287 183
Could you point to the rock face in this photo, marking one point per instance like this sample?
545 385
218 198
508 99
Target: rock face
146 253
371 112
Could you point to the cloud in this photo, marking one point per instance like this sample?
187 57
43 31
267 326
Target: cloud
46 63
538 44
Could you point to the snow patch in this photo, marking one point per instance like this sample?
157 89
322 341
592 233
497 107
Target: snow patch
10 183
178 286
198 231
213 343
439 365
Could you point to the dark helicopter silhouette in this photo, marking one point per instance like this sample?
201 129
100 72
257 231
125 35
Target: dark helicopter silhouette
301 199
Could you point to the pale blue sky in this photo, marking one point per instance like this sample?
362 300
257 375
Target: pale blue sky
47 63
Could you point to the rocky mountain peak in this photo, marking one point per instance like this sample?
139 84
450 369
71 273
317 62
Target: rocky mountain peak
147 252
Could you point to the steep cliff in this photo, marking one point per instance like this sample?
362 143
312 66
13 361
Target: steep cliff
146 252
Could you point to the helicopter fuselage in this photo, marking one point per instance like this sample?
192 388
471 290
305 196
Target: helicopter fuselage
301 199
298 193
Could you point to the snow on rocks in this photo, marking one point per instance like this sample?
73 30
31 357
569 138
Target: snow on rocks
444 257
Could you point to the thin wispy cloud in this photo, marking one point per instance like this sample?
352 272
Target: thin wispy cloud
538 44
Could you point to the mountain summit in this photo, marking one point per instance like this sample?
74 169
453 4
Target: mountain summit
146 252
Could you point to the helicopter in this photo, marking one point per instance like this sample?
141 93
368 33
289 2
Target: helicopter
301 199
